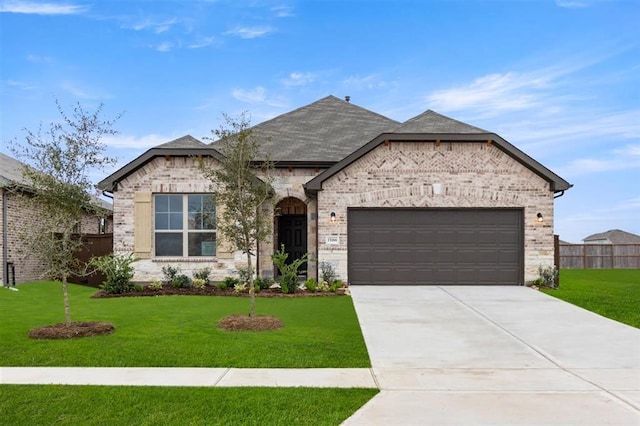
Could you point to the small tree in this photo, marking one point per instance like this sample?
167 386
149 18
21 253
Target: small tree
56 179
241 186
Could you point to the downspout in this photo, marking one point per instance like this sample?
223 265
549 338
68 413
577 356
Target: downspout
5 265
559 195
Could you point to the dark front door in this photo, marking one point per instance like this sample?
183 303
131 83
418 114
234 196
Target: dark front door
292 232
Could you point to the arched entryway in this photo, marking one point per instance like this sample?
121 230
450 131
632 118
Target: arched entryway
291 228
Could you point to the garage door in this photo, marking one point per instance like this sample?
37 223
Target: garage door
435 246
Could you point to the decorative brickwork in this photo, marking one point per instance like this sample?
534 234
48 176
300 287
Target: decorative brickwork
417 174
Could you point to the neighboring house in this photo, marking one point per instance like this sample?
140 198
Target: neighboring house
16 215
613 236
428 201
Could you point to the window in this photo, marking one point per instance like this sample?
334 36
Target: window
185 225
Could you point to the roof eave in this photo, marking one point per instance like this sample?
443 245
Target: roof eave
109 184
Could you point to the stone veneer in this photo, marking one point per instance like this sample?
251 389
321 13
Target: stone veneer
403 174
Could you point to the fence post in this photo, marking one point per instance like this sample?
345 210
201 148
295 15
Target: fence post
556 257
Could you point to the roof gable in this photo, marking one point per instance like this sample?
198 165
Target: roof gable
557 184
432 122
184 146
324 131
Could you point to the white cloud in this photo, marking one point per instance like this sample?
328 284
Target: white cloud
372 81
157 27
202 42
254 96
257 96
36 8
165 46
299 79
627 157
20 85
82 92
39 59
573 4
283 11
250 32
135 142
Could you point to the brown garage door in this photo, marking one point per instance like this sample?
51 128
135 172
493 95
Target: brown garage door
435 246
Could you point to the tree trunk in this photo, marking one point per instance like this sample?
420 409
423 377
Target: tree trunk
252 293
65 295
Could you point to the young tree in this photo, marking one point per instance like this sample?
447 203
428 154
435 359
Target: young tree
56 179
242 187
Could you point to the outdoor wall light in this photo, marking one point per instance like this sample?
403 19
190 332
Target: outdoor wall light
333 216
539 215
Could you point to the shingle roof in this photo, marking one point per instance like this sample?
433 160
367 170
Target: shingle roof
325 131
11 174
183 142
614 236
432 122
10 171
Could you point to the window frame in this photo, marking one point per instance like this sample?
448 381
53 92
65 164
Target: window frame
185 230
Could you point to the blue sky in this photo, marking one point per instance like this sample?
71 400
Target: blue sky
559 79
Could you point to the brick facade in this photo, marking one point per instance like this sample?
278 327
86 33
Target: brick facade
421 174
19 219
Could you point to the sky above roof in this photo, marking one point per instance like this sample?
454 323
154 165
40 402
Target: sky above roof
558 79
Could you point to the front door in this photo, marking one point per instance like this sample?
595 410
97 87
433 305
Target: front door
292 232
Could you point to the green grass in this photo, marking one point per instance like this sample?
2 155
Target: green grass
179 331
611 293
104 405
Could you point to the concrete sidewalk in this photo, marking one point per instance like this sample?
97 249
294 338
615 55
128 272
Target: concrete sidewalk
494 356
215 377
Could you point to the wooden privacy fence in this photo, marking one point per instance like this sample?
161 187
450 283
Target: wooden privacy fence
599 256
94 245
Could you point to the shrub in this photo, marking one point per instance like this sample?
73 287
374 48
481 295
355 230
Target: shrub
199 283
327 273
170 273
222 285
138 288
180 281
256 288
230 282
240 288
311 285
548 277
323 286
336 285
202 274
289 272
118 270
263 283
155 285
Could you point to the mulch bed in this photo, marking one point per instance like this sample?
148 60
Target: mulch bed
247 323
72 330
168 290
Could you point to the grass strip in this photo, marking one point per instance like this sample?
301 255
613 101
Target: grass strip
612 293
102 405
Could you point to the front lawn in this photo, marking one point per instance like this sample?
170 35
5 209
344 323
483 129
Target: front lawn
179 331
119 405
612 293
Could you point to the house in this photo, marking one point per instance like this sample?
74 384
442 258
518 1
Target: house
428 201
613 236
16 215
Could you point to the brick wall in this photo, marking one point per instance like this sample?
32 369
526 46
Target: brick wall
181 175
404 174
21 217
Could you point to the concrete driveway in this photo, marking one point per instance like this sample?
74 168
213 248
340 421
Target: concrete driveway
494 356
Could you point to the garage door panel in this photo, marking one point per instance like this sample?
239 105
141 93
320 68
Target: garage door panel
435 246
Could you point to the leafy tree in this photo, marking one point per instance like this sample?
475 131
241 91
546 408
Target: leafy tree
59 162
242 187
